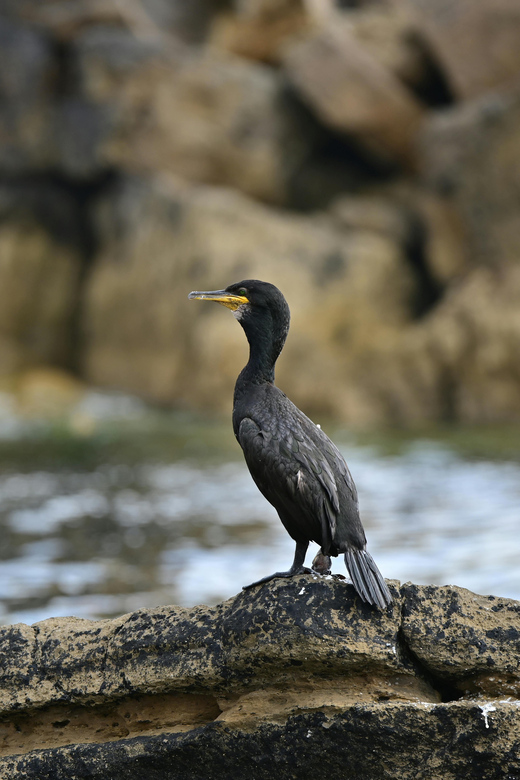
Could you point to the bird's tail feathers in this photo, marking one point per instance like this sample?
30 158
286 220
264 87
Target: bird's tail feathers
368 580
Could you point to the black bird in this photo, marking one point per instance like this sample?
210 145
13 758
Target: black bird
293 463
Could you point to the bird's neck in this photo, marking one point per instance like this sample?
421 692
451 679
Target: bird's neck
260 366
266 339
265 345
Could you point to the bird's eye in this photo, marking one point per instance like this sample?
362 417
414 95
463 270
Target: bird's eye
242 291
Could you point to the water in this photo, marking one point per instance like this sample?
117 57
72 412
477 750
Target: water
96 527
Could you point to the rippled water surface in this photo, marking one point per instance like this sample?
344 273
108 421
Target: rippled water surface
144 515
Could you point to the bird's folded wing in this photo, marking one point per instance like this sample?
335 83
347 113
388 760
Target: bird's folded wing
286 464
342 468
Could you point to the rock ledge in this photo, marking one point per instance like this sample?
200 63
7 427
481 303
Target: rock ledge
293 678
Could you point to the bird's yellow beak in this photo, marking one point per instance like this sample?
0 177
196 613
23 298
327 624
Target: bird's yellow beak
230 300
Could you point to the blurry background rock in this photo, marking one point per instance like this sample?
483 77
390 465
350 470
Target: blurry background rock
364 156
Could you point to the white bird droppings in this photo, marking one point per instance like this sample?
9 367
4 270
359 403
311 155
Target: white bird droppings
486 709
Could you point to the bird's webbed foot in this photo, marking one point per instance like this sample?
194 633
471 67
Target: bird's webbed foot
321 564
291 573
296 568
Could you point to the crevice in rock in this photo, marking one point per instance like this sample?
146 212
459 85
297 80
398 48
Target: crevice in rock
342 4
428 290
85 196
446 690
36 659
123 717
62 205
65 724
337 163
65 208
447 393
433 89
108 640
63 76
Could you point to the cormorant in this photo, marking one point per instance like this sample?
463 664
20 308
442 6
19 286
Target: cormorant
292 461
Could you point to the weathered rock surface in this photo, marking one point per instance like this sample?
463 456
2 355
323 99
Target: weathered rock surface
471 154
259 29
475 40
457 364
291 678
388 32
353 91
471 640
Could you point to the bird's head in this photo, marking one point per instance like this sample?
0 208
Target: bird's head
259 306
249 299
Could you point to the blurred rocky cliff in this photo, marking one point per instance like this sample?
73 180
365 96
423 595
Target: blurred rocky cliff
364 156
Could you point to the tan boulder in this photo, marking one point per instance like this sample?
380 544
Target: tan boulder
460 363
471 157
259 29
387 31
476 41
352 91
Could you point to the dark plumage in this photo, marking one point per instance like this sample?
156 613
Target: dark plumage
294 464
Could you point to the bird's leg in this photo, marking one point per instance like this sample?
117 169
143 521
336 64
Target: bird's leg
296 568
321 563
